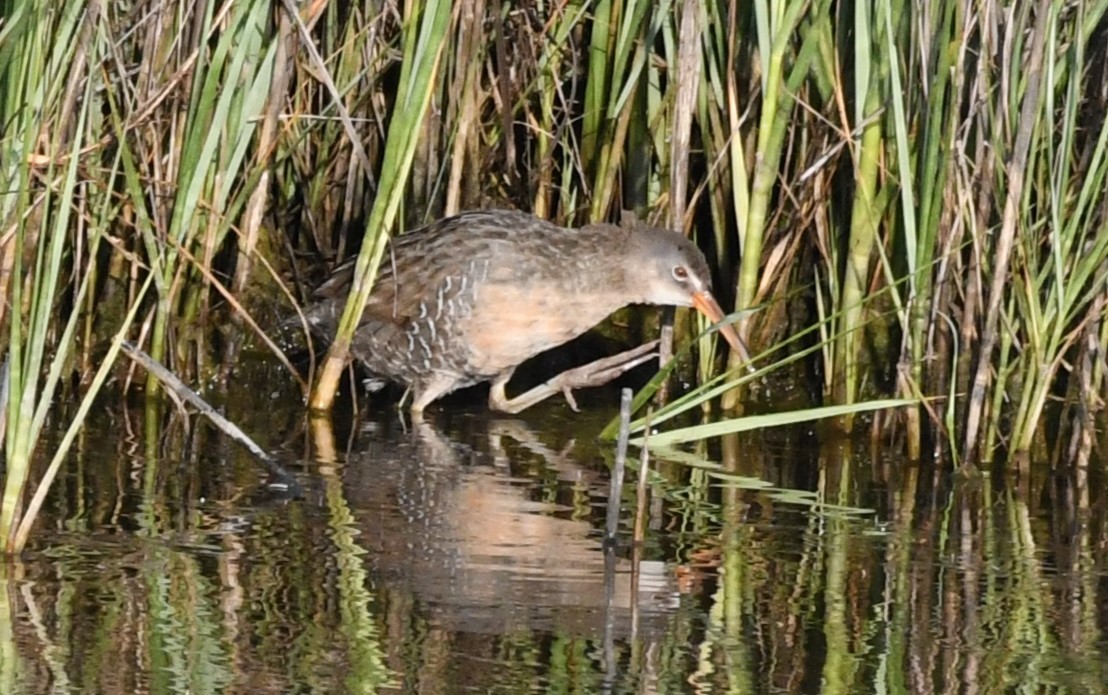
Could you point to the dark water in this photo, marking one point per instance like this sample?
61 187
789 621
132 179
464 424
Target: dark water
465 555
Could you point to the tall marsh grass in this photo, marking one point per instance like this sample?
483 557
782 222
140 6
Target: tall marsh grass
916 191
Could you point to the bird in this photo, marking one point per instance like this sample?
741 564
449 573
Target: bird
468 298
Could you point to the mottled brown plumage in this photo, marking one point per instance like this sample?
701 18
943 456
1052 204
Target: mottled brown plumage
468 298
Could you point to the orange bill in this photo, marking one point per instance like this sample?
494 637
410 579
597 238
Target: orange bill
707 305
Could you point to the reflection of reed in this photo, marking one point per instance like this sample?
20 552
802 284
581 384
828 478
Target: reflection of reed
435 550
487 551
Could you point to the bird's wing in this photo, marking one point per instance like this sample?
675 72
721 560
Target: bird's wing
439 263
416 265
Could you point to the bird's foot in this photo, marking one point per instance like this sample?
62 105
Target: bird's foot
595 373
373 384
567 393
601 371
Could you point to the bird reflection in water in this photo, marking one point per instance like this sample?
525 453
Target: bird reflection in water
481 547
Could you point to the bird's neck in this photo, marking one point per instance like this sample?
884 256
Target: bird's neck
604 270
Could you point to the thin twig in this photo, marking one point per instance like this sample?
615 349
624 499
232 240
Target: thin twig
644 470
612 523
183 392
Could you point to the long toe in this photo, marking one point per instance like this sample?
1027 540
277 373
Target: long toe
605 370
595 373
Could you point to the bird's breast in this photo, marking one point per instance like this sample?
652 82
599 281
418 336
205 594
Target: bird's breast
509 324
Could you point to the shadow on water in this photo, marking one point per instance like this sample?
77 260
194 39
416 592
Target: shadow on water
464 554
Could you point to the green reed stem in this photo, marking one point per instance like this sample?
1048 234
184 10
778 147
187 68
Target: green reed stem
423 45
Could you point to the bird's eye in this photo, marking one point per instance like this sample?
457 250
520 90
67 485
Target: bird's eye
680 273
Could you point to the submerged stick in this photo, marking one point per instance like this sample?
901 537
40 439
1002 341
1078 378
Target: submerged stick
639 533
665 354
610 528
612 525
183 392
640 498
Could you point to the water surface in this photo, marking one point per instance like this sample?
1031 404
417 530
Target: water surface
465 554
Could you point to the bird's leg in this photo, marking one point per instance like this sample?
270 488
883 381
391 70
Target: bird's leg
440 384
595 373
498 399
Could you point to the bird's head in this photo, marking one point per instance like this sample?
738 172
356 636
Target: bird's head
667 269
